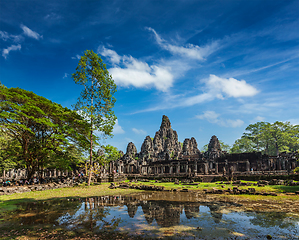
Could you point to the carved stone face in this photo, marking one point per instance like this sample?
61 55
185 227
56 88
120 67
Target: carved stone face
131 149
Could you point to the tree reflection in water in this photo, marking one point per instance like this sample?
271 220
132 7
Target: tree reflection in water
106 212
272 219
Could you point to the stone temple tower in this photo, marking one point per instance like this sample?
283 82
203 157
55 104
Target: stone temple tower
214 148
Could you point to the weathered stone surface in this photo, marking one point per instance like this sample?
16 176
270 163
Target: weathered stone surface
165 122
28 188
131 149
147 148
214 144
121 153
185 190
165 143
214 148
190 147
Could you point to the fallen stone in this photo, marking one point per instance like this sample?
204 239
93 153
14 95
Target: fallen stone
184 190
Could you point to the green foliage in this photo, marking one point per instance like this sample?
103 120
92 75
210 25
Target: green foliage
96 100
38 129
268 138
242 145
72 156
111 153
204 148
7 158
296 170
224 147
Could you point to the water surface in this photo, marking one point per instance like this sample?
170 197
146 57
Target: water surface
160 214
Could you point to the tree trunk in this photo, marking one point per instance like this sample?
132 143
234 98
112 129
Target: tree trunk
30 173
90 161
277 149
91 131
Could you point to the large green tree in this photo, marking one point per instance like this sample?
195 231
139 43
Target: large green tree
256 134
268 138
282 135
42 129
96 101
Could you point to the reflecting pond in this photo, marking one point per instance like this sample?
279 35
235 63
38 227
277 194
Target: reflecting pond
160 214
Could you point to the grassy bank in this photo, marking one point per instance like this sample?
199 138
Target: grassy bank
102 190
280 189
80 191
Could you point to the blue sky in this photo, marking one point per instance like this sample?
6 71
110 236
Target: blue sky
213 67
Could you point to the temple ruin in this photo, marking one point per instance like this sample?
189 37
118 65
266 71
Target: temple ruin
164 155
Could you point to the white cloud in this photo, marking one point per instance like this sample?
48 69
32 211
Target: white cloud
244 71
214 87
52 17
6 51
5 36
213 117
65 75
139 131
29 33
259 119
129 71
78 57
117 129
114 57
234 123
190 51
230 87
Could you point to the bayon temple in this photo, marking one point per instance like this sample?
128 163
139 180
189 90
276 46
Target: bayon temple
164 155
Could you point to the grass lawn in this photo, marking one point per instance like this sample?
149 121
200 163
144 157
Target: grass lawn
102 190
217 185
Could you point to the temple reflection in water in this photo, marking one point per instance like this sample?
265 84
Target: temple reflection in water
165 213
